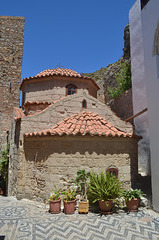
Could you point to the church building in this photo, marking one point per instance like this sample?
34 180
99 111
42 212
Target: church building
61 128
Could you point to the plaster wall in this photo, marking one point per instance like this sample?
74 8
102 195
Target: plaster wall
66 107
48 161
54 88
150 19
139 86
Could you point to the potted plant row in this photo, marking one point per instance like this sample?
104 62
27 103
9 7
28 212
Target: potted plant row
106 189
69 200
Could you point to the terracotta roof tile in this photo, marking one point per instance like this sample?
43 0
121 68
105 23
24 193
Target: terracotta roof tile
83 123
18 113
37 103
58 72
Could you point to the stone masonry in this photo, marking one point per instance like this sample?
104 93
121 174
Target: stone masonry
37 163
11 52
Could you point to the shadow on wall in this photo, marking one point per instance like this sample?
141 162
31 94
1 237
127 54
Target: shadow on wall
92 149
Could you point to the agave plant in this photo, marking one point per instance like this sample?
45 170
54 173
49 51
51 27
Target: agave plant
104 187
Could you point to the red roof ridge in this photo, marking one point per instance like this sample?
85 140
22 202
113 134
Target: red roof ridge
83 123
58 72
51 104
37 102
18 113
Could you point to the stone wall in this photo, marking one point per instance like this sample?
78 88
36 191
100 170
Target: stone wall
66 107
11 52
123 105
53 88
49 161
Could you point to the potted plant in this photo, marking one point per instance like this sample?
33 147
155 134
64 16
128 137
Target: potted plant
55 201
132 198
104 188
81 181
69 200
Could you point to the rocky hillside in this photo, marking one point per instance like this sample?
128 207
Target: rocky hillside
106 76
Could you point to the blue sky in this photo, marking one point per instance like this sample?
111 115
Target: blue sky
83 35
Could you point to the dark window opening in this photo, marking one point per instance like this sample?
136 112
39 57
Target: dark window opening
71 89
84 104
10 87
114 171
143 3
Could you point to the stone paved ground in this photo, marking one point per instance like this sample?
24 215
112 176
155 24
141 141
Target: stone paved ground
23 220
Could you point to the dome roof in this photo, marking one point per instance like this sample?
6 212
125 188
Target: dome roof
58 71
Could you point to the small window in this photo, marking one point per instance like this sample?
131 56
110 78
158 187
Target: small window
114 171
84 104
10 87
71 89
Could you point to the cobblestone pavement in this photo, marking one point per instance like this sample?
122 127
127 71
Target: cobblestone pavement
24 220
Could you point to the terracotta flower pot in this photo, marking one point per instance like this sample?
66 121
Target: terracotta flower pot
69 206
106 208
83 206
55 206
132 205
1 192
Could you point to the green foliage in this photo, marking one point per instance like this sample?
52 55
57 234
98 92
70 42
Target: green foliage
123 78
55 194
4 162
69 195
81 181
131 194
104 187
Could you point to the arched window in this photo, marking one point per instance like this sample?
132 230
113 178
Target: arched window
71 89
84 104
114 171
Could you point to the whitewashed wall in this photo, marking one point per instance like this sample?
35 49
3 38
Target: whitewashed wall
139 86
150 18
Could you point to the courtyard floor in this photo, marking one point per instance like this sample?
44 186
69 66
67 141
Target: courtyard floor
26 220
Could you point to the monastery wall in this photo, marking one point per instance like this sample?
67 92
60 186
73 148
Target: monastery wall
54 88
11 52
48 161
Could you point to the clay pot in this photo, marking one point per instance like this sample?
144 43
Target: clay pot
1 192
106 208
132 205
83 206
55 206
69 206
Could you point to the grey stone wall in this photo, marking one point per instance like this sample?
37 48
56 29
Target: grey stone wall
11 52
123 105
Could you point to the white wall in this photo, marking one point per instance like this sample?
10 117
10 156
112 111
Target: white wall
150 18
139 86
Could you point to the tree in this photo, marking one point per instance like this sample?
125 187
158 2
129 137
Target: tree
123 78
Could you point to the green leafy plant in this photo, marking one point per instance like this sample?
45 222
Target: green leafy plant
69 195
131 194
123 78
55 194
104 187
4 162
81 181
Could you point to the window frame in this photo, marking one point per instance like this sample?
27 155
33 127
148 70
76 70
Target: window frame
84 101
113 169
73 88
